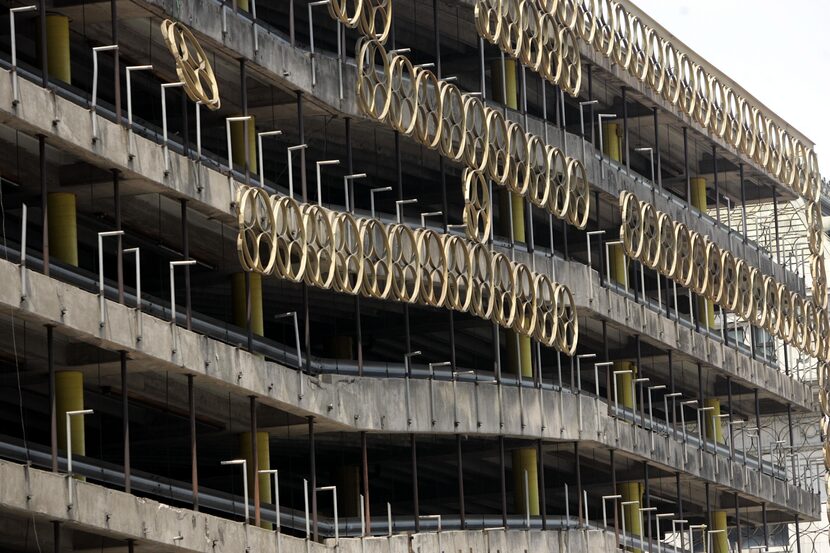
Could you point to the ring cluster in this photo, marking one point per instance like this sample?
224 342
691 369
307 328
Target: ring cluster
372 17
355 255
192 64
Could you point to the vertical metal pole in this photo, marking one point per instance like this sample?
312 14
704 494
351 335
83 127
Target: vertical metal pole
792 439
415 506
579 504
459 456
657 158
758 426
399 173
613 461
502 482
364 460
686 166
116 190
647 504
186 255
797 535
44 193
590 97
243 87
357 318
738 539
679 505
729 408
125 418
764 513
56 535
777 236
743 199
44 60
254 462
312 457
116 65
194 464
717 185
625 131
304 189
53 408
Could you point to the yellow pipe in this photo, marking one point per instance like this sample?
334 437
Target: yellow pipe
632 491
508 85
612 143
240 305
63 229
625 393
69 396
263 462
524 460
705 308
720 541
714 426
238 144
243 5
57 47
348 490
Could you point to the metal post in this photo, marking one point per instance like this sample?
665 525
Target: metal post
540 454
364 457
53 411
116 189
244 464
312 456
69 415
130 136
13 38
101 302
194 465
125 419
777 236
173 265
657 149
333 490
502 483
137 253
686 167
276 474
164 88
743 199
93 107
415 505
262 154
44 192
255 459
625 132
117 61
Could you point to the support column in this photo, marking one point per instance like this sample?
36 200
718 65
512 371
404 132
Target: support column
262 461
705 308
57 47
364 462
632 491
625 393
125 418
63 228
612 148
53 408
720 541
241 311
239 142
69 396
194 465
714 426
525 460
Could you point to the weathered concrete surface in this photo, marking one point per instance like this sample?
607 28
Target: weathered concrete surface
118 515
209 191
290 66
351 404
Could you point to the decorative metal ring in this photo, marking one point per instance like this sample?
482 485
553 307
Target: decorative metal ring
433 266
504 291
650 256
429 119
700 275
255 240
731 292
373 86
349 255
759 299
403 98
744 308
290 240
818 271
786 323
523 280
489 19
714 291
684 272
477 206
546 312
559 192
668 251
406 270
773 305
498 158
579 194
192 64
815 228
631 230
453 126
482 283
567 332
518 168
376 19
476 136
320 263
459 274
377 260
346 11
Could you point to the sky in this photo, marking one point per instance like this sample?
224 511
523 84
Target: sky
778 51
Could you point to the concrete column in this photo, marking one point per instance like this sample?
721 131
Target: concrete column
347 479
714 426
57 47
238 143
69 396
632 491
625 393
525 460
263 462
720 541
705 308
63 228
240 304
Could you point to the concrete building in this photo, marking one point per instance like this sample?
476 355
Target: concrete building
401 275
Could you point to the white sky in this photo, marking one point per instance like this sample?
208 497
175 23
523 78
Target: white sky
778 50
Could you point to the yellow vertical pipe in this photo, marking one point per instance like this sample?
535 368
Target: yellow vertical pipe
347 478
238 144
616 264
705 308
243 5
57 47
263 462
632 491
69 396
240 304
525 460
714 427
625 393
720 541
63 229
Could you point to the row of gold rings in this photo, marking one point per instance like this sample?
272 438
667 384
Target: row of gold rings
372 17
693 261
534 37
636 47
413 101
815 239
335 250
